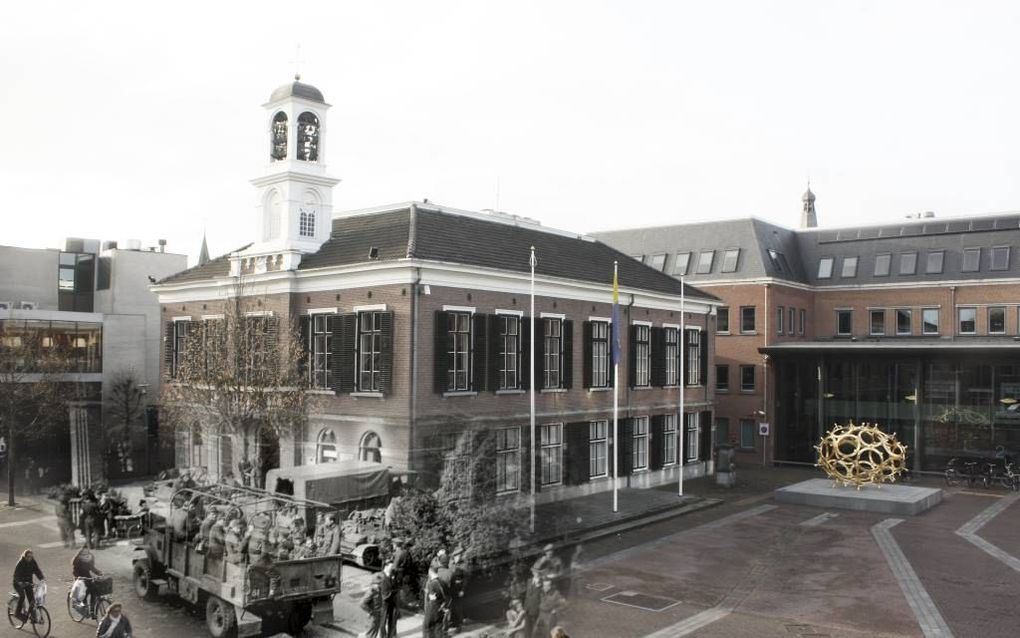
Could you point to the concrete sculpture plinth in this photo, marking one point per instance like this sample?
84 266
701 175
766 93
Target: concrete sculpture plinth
901 500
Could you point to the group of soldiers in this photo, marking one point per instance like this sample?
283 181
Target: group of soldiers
442 597
223 531
536 606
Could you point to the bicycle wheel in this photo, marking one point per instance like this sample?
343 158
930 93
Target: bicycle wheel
41 622
76 612
12 607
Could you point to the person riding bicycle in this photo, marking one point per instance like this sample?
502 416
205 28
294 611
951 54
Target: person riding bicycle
23 573
84 566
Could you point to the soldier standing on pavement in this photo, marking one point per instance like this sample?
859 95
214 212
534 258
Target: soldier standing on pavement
532 603
436 600
371 604
549 609
388 597
400 564
458 586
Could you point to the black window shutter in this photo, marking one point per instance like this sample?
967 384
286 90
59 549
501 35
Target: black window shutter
441 352
658 371
304 349
576 454
705 435
495 351
479 350
386 352
586 350
684 344
525 353
632 356
567 364
526 473
343 354
626 447
703 372
655 445
168 348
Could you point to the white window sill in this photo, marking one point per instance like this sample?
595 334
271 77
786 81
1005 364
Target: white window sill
374 395
722 390
743 391
694 387
605 389
753 333
642 387
552 390
508 492
600 477
321 391
460 393
640 470
723 334
498 392
543 486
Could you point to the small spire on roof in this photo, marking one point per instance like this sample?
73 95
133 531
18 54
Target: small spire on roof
203 253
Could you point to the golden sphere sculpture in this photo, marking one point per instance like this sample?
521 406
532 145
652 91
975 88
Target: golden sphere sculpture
861 455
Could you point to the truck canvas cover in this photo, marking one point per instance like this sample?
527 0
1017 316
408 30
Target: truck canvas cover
333 483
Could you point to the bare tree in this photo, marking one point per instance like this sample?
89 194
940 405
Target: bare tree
31 396
122 409
237 375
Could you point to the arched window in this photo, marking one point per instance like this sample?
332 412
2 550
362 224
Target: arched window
308 137
278 150
325 447
272 211
306 226
369 450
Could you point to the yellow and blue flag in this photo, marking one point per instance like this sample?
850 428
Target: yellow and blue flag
615 327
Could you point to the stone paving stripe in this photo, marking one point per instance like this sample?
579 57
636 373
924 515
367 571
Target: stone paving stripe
694 623
987 514
818 520
51 545
968 531
928 617
31 521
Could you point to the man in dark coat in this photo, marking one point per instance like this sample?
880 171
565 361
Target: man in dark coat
532 602
401 562
436 602
23 573
388 598
91 520
458 587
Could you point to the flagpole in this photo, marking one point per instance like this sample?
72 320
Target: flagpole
681 429
615 335
534 382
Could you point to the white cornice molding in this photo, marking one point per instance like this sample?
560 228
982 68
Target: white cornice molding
405 271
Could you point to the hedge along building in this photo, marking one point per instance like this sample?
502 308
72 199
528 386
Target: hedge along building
415 320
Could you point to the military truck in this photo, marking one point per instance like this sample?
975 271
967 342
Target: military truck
361 490
240 597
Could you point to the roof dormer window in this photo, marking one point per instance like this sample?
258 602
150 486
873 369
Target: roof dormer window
1000 258
935 259
908 263
849 267
730 259
825 268
705 260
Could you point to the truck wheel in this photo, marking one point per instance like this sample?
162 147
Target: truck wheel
143 581
299 616
219 617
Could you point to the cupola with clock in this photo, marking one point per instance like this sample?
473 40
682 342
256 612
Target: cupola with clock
294 195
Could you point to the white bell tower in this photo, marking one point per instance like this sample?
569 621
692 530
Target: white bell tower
294 195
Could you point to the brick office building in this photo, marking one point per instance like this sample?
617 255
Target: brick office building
914 325
416 322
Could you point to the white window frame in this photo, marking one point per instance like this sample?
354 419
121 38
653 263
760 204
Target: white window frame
314 353
871 321
550 454
642 355
639 446
671 345
552 335
601 363
959 320
504 368
508 461
910 320
1005 313
692 341
692 432
370 352
669 432
598 440
938 327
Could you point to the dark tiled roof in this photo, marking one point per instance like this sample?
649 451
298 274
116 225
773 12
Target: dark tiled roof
218 267
353 237
460 239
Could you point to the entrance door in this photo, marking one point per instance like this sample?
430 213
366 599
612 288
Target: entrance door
268 453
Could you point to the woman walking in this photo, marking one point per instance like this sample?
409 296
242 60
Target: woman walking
114 624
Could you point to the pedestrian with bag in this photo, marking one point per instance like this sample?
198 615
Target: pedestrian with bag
114 624
84 566
371 604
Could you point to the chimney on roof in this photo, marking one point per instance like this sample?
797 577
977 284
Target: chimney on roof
808 216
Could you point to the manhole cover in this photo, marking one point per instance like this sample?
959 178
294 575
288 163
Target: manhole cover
598 586
641 601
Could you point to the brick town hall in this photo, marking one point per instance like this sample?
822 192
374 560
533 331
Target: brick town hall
415 321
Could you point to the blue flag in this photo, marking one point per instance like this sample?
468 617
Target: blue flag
615 327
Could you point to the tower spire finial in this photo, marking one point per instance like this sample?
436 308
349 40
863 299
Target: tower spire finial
297 63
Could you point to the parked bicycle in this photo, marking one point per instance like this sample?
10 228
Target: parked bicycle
1001 470
79 610
38 616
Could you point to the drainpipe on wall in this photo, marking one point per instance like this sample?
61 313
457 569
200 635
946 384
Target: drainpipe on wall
412 239
765 381
952 310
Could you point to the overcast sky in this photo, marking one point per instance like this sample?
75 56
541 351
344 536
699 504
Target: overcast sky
124 121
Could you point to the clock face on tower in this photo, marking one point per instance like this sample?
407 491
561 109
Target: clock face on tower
306 221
